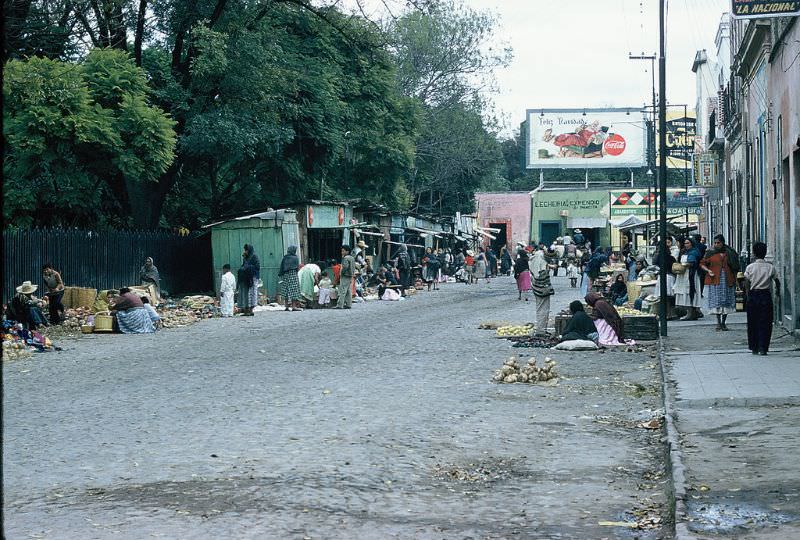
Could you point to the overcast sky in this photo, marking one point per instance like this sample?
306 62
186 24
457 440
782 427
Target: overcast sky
575 53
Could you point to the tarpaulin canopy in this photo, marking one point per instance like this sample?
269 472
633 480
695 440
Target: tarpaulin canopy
586 222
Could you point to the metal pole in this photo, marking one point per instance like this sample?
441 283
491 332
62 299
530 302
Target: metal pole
662 163
685 161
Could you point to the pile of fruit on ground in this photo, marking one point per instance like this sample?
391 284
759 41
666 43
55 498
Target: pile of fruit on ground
531 373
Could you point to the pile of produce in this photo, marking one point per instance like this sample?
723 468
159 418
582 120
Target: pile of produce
535 342
76 317
492 325
531 373
623 311
21 343
515 331
198 301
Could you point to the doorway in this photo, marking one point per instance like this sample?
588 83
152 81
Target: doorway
549 231
500 237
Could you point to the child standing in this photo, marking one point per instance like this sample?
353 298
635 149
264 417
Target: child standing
325 289
227 288
759 276
572 273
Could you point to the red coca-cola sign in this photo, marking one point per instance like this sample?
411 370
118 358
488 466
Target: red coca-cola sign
623 198
614 145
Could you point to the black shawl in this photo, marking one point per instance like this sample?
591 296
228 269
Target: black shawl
290 261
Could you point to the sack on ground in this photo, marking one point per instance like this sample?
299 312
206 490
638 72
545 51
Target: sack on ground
576 345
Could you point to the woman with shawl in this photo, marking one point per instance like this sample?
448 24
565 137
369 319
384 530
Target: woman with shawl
667 260
721 264
522 274
431 268
309 276
403 266
606 320
248 278
542 290
619 291
580 325
130 314
505 261
148 275
592 268
687 284
287 275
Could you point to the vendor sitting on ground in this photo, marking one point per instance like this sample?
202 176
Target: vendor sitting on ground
151 311
26 308
619 291
580 326
130 315
606 320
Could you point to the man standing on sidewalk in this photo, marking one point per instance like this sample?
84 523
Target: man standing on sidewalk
346 279
758 278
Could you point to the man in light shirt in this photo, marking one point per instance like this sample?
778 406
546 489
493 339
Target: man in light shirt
759 276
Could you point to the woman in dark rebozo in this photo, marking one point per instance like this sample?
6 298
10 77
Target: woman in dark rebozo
505 261
687 282
290 285
721 264
606 319
247 279
619 291
403 266
580 326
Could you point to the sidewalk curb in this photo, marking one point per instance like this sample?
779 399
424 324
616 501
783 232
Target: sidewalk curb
674 454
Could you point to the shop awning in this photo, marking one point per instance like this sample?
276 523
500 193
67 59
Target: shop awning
586 223
368 233
437 234
627 222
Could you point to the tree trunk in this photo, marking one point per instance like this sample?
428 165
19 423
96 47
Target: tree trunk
139 36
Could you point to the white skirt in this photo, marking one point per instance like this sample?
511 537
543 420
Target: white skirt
681 289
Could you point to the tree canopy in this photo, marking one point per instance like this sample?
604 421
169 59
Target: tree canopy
174 113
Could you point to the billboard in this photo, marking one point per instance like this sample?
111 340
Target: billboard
758 9
680 139
585 138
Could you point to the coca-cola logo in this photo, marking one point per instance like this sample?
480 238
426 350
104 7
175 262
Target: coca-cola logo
614 145
624 198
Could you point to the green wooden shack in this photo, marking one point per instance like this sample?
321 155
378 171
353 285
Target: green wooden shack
270 233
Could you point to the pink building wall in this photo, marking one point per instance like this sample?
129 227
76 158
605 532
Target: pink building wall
510 207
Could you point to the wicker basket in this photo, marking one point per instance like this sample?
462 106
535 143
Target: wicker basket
68 298
84 297
103 322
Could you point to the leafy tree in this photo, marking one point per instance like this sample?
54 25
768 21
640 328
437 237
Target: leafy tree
80 133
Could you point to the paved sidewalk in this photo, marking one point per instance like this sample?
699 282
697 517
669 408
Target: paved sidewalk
733 431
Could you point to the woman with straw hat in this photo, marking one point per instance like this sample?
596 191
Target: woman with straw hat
25 308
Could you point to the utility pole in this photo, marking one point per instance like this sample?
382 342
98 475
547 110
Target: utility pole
651 188
662 162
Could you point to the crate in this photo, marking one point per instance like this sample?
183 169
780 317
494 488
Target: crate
641 328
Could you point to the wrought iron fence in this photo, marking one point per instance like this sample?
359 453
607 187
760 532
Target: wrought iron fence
106 259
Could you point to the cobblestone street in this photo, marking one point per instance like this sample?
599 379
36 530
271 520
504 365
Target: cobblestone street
379 422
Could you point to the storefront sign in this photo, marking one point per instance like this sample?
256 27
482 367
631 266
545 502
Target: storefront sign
556 204
705 170
585 138
758 9
323 216
637 203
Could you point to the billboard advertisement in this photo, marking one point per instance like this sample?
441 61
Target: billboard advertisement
680 139
758 9
585 138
